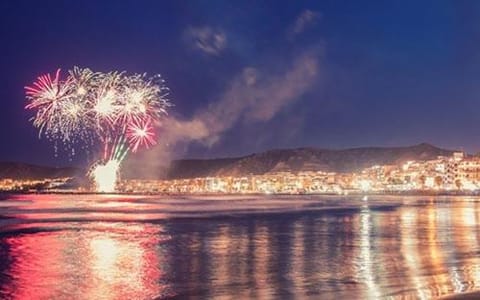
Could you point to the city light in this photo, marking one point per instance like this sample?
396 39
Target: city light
456 173
449 174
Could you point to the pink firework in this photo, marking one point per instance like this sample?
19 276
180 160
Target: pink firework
140 133
47 91
52 99
88 108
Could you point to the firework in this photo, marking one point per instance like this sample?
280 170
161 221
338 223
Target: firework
141 133
52 98
105 176
112 109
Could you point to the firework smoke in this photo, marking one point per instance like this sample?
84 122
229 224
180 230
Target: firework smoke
116 110
254 95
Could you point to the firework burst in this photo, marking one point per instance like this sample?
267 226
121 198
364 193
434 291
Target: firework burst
113 109
52 100
141 133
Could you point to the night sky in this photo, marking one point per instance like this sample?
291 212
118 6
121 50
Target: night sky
258 75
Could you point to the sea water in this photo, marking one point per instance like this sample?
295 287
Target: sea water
265 247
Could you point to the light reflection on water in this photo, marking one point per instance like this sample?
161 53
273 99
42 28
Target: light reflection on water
98 247
98 261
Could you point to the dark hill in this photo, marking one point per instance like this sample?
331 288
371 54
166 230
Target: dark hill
304 159
16 170
293 160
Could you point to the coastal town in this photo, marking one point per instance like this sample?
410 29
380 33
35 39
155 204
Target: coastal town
33 185
455 173
451 174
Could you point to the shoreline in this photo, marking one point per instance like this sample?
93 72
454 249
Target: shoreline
383 193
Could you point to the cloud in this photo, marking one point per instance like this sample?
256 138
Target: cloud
305 20
254 95
211 41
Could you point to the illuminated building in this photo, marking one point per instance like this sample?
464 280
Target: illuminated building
455 173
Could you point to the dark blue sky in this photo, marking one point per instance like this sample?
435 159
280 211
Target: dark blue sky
387 73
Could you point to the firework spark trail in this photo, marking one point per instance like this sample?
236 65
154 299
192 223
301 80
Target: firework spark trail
105 151
90 108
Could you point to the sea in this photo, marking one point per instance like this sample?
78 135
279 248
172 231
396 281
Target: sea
86 246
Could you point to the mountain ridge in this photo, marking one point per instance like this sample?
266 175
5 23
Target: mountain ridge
28 171
275 160
304 159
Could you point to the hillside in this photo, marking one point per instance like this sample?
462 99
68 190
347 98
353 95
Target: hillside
17 170
294 160
304 159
